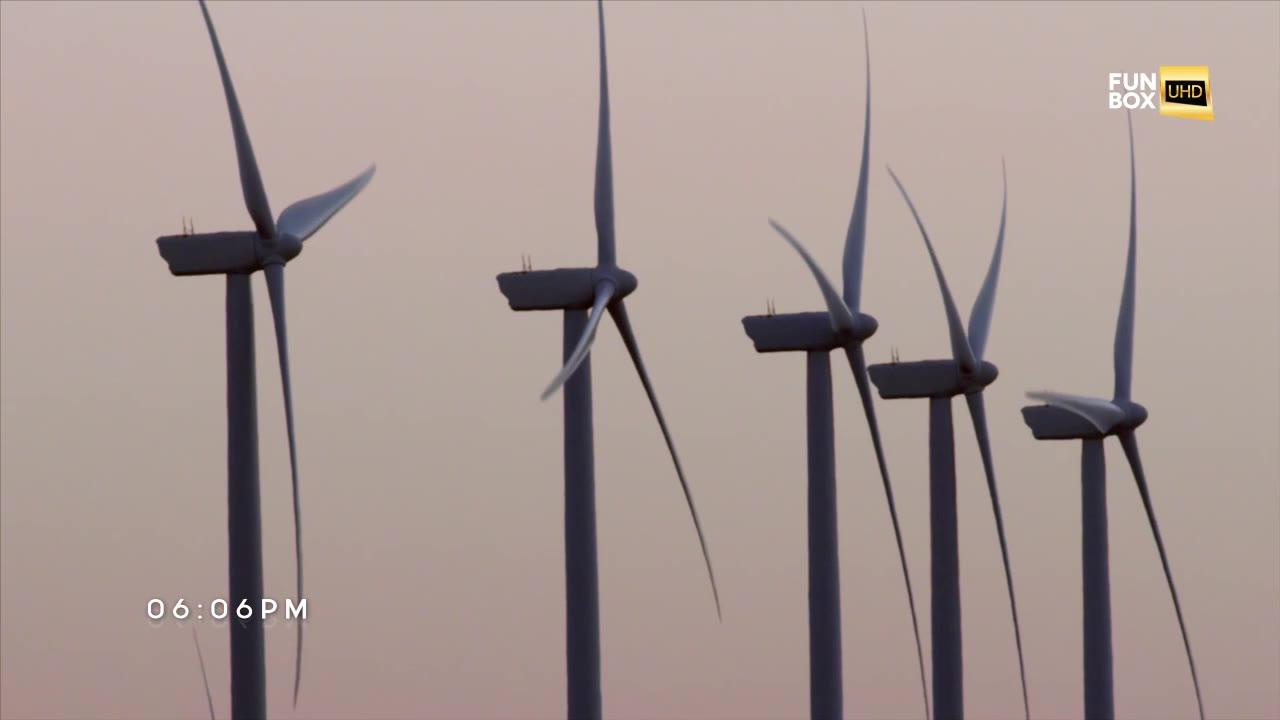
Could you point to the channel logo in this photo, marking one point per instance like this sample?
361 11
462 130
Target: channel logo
1183 91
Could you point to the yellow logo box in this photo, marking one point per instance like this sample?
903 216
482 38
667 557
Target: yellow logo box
1185 92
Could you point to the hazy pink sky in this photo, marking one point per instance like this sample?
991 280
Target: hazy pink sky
431 472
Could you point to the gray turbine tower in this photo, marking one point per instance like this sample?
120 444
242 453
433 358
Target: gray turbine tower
841 327
966 373
1092 420
237 254
584 294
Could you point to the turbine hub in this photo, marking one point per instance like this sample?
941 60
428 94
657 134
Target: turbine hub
278 249
864 326
624 282
982 376
1134 415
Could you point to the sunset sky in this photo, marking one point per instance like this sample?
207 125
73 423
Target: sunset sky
431 473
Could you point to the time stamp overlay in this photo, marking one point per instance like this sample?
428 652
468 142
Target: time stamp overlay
218 609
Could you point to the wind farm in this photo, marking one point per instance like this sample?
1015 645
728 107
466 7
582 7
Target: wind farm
497 532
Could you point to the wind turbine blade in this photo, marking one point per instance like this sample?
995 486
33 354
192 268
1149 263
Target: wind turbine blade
1124 323
858 363
1130 444
606 252
619 312
204 676
1102 413
985 304
960 350
978 412
841 316
255 195
856 239
603 293
303 218
275 288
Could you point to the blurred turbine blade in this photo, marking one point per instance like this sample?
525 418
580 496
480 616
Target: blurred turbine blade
1130 444
978 412
603 293
960 350
985 304
619 312
255 195
1124 323
858 363
606 252
303 218
204 676
275 288
856 238
841 316
1102 413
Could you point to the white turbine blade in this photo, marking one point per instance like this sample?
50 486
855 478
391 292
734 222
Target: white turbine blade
623 321
1123 354
858 364
961 352
204 676
603 294
255 195
1130 445
978 412
606 238
984 305
855 240
841 316
303 218
275 289
1103 414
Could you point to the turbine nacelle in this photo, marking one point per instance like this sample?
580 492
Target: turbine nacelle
226 252
930 379
563 288
1048 422
806 331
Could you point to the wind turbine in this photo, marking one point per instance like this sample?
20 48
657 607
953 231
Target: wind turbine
966 373
816 334
237 254
1091 420
584 294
